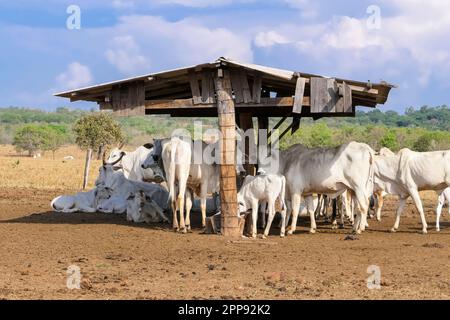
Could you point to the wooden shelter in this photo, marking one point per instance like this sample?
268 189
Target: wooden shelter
236 93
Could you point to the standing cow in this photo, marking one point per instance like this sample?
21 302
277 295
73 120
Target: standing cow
409 172
328 171
188 170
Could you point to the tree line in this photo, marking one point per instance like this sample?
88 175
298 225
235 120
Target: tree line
422 129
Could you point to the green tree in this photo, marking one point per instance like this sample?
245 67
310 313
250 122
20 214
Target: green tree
320 135
29 138
93 131
389 140
53 139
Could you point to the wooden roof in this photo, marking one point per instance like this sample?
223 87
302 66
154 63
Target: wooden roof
171 92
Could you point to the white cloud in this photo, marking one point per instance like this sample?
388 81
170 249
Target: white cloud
269 38
195 3
76 76
126 55
184 42
123 4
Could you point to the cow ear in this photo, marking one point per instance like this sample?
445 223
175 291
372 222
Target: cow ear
148 145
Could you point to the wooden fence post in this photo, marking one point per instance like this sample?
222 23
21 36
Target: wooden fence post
228 192
86 168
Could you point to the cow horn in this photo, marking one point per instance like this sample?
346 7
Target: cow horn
122 154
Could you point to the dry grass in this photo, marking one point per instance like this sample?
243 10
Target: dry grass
20 171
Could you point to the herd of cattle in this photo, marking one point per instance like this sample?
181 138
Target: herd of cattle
158 180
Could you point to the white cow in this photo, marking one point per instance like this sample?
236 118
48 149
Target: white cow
266 188
444 197
379 192
123 187
142 208
409 172
117 203
188 170
131 163
328 171
175 155
80 202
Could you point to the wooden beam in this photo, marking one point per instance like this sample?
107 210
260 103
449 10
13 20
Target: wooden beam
263 124
195 89
247 95
278 125
295 124
227 142
189 103
299 94
257 83
236 84
207 87
246 123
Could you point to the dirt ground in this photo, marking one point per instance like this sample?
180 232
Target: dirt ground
119 260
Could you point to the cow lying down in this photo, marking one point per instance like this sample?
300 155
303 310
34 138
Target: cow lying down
79 202
142 208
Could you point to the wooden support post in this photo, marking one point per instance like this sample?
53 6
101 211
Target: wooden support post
246 123
277 126
263 124
227 142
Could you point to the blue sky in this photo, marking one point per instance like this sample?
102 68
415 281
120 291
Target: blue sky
122 38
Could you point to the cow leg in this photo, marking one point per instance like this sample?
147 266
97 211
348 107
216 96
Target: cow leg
318 209
181 205
418 202
296 200
262 209
343 200
401 206
312 217
254 218
188 205
438 212
379 205
349 205
334 214
271 207
203 193
288 212
362 209
175 225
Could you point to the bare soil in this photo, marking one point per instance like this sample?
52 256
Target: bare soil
120 260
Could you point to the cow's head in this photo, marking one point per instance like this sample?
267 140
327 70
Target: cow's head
109 177
157 150
242 206
115 157
153 165
135 203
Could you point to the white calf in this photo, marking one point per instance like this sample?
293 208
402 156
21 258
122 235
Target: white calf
443 198
142 208
267 188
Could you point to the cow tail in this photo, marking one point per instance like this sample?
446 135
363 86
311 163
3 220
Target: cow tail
283 193
172 168
370 180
